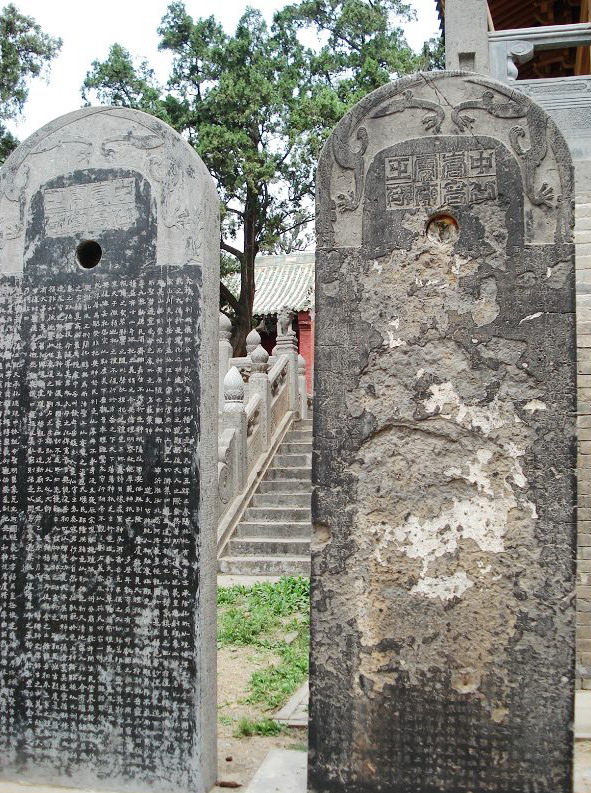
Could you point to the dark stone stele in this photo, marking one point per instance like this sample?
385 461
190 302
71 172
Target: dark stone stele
444 455
103 526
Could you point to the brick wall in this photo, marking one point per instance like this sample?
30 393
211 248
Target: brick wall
306 345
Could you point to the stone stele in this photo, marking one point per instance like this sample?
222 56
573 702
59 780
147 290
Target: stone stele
108 311
443 581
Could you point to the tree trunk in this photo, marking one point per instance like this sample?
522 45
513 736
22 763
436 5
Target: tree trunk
241 329
243 322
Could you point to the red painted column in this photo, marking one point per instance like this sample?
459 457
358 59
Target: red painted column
306 342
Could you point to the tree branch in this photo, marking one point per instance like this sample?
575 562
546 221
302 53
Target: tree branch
300 223
232 251
228 297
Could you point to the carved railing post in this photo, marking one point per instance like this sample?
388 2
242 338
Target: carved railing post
287 345
510 48
235 418
225 354
259 384
302 387
252 341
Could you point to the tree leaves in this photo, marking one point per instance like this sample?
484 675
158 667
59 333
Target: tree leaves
25 52
259 104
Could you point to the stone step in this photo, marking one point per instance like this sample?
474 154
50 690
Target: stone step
269 546
295 447
300 531
277 514
278 499
302 424
302 473
300 486
265 565
299 436
293 460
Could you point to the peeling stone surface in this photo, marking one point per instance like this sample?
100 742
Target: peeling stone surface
443 505
108 315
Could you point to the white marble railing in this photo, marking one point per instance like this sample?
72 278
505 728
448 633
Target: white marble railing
259 397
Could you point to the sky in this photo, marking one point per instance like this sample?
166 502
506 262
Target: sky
89 28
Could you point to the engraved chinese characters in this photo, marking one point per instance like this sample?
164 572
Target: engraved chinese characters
107 584
89 207
443 178
442 572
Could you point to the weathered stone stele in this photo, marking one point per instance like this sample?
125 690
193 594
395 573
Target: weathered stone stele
108 312
442 579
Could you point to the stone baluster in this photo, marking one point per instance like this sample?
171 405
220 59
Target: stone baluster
287 345
225 354
252 341
235 418
259 384
302 387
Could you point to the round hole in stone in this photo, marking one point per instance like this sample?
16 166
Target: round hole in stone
443 228
88 254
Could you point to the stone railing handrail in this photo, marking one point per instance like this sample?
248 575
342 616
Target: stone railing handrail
240 363
257 404
252 405
508 48
279 368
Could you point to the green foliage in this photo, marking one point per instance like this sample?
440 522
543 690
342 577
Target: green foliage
121 81
258 105
25 52
272 687
247 728
362 48
261 616
252 614
432 57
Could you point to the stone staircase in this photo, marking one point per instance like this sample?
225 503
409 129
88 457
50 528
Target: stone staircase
273 537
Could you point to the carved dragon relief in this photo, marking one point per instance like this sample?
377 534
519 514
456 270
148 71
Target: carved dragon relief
407 101
13 187
165 169
168 172
131 138
352 159
537 127
83 145
537 122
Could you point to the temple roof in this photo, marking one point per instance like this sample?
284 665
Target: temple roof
283 280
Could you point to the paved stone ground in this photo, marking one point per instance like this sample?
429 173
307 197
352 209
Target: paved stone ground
283 771
295 711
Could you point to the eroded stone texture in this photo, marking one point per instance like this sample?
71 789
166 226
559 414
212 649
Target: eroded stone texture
109 398
443 581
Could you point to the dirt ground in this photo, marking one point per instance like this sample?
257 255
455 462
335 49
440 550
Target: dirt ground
239 758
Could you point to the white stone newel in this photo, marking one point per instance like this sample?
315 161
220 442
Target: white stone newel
234 417
233 391
259 384
252 341
225 354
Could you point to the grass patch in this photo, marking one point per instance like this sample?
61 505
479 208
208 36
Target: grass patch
272 686
262 616
251 615
246 728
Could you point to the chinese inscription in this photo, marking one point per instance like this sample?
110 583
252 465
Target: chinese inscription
110 488
90 207
440 178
